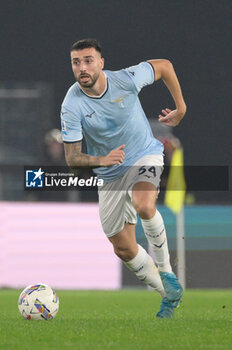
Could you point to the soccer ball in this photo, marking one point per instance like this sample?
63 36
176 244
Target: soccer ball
38 302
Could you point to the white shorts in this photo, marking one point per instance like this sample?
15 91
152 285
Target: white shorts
115 204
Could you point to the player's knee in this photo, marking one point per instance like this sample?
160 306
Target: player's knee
145 210
125 254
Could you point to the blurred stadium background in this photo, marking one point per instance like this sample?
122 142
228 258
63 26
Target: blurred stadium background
56 237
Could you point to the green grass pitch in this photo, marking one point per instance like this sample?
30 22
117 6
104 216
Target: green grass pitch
92 320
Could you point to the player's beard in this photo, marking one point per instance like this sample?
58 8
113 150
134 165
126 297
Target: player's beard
92 80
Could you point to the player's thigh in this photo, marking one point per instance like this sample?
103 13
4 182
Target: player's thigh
144 195
115 209
145 176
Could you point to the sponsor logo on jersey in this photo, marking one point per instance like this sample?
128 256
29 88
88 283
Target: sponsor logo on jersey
63 126
89 115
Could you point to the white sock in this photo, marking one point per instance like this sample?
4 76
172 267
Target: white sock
155 232
144 268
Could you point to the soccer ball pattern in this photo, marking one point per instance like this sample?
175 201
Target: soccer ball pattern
38 302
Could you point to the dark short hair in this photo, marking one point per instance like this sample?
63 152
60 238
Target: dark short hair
85 44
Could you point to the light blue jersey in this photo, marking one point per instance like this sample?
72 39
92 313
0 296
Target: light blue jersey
113 119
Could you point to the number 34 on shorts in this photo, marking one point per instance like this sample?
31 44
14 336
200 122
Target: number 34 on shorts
147 171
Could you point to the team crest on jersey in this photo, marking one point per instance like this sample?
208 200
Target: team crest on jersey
120 101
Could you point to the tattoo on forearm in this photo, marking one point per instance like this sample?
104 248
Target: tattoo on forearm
76 159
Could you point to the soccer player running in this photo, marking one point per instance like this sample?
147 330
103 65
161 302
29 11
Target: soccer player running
103 106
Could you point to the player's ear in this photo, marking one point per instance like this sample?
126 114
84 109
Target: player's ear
102 62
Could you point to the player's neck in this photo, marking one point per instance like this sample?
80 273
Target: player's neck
99 87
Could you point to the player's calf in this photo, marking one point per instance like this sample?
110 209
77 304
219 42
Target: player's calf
155 232
144 268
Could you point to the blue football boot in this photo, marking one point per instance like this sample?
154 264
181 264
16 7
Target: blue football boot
172 286
167 308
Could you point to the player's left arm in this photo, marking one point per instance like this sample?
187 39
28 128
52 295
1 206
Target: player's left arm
164 70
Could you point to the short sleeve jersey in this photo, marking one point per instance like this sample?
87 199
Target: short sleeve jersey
113 119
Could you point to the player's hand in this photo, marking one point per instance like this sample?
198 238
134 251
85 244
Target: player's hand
114 157
171 118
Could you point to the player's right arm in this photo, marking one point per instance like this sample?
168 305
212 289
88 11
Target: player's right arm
76 159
